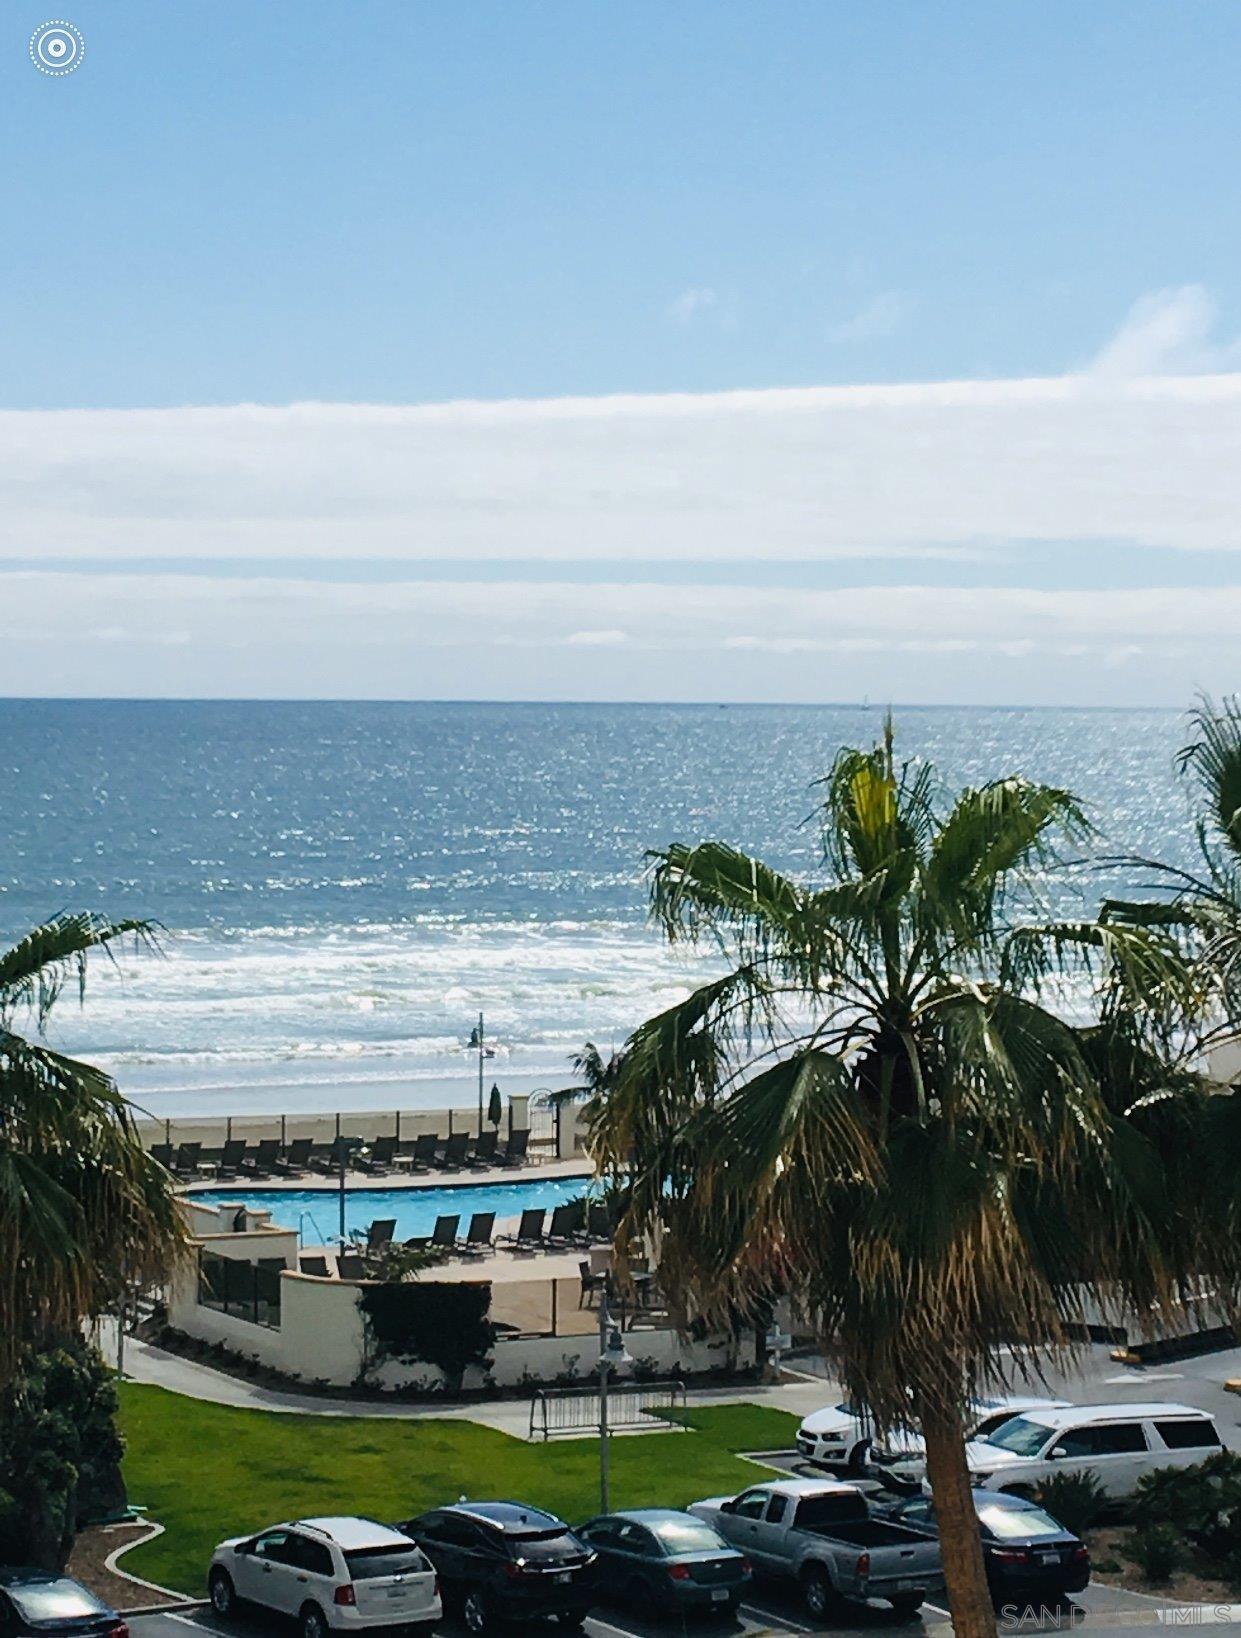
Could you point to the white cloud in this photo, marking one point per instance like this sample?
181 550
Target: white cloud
787 473
690 303
597 639
1168 332
882 316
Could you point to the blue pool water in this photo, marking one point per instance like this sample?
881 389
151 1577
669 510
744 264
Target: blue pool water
316 1211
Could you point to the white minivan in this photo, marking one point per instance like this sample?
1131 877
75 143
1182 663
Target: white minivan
1119 1444
329 1574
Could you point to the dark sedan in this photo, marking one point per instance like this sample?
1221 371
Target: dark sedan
32 1601
666 1562
1030 1556
504 1561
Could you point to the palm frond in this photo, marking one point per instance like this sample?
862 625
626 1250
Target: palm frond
35 970
1214 759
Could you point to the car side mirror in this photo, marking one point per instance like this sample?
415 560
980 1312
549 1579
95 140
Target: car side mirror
728 1507
244 1547
1057 1453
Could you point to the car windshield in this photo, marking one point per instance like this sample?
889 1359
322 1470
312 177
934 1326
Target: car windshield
54 1600
1019 1436
687 1536
369 1562
1019 1523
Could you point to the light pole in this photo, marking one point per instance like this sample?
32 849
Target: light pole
612 1355
344 1148
481 1055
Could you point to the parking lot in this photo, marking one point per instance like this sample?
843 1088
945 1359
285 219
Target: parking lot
772 1610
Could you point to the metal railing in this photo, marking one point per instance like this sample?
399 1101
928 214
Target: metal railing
556 1411
247 1291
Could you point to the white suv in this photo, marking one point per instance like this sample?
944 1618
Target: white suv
329 1574
1117 1443
903 1452
840 1436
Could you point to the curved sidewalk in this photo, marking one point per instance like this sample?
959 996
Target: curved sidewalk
155 1367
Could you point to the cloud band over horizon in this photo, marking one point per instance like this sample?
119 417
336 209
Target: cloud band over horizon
930 479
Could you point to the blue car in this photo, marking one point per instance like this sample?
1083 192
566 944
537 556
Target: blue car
666 1562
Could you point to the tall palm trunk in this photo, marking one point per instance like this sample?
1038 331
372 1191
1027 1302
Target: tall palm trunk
969 1599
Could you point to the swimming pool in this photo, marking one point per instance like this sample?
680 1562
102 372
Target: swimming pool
316 1211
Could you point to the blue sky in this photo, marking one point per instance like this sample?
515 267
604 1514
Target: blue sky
406 202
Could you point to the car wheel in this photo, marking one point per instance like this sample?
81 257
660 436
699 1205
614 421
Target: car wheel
314 1622
222 1593
905 1607
817 1593
474 1612
859 1456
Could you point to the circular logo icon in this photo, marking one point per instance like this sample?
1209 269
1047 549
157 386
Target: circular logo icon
56 47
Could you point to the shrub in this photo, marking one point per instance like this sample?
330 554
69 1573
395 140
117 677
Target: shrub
1156 1549
442 1323
1203 1503
59 1454
1075 1499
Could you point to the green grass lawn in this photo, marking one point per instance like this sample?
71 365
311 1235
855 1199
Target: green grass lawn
209 1471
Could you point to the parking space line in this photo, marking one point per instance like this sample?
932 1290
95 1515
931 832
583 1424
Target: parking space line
748 1607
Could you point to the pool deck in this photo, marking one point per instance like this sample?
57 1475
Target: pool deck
463 1178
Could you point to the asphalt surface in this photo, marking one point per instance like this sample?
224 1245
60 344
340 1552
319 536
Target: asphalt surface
773 1610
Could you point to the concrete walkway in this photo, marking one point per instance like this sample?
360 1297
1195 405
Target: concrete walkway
158 1368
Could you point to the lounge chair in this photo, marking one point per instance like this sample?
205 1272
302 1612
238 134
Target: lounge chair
426 1148
263 1162
232 1156
379 1235
478 1241
329 1161
455 1151
484 1150
529 1236
162 1154
186 1164
565 1230
444 1234
314 1265
296 1158
379 1161
350 1266
515 1149
599 1224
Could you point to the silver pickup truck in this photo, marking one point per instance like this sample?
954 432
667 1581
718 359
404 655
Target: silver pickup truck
820 1535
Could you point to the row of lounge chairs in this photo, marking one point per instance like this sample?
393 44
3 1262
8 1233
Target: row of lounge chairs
269 1158
574 1225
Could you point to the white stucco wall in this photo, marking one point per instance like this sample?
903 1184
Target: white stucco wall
320 1337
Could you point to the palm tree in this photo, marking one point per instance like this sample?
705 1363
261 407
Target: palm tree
83 1208
873 1114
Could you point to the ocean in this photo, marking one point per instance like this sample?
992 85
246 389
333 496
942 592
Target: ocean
344 887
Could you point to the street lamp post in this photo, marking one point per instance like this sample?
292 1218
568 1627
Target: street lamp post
612 1355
